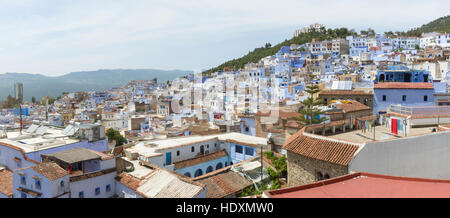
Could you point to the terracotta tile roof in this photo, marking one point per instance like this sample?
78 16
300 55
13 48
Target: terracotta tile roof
128 180
293 124
102 155
50 170
321 148
353 106
281 113
402 85
198 160
6 182
344 92
224 184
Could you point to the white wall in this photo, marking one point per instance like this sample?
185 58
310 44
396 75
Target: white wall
88 186
185 152
418 156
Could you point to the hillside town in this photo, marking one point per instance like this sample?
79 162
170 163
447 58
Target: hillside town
341 114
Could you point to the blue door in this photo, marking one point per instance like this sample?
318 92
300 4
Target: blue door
168 158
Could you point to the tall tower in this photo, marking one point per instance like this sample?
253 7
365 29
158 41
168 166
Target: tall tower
18 92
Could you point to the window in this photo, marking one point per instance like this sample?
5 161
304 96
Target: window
23 195
384 97
37 184
81 194
108 188
248 151
23 181
246 129
239 149
97 191
62 184
425 98
178 153
192 149
207 146
215 144
403 97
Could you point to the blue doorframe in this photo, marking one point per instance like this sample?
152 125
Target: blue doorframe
168 158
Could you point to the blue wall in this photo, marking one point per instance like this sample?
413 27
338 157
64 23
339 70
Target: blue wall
238 157
225 161
251 126
414 97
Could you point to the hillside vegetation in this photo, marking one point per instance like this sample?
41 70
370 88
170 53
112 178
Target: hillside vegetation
439 25
268 50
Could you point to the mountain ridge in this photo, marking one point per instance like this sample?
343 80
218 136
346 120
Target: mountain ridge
39 85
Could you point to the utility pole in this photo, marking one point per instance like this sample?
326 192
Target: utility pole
261 168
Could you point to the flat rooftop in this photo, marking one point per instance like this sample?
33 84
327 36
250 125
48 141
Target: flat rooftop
156 146
31 142
381 133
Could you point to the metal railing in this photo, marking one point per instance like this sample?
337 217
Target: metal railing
432 110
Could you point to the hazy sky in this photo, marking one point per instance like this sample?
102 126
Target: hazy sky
54 37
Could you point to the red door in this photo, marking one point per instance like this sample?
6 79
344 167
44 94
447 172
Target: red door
394 126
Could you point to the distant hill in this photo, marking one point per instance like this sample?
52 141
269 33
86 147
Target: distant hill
40 86
439 25
258 53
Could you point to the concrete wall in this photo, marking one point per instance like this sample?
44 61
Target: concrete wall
418 156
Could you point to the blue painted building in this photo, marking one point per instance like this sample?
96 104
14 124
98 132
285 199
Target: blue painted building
248 125
397 73
240 152
356 51
403 93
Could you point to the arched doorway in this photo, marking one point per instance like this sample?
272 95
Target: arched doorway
199 172
188 174
218 166
381 77
209 169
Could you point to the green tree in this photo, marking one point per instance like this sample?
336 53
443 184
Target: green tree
310 112
33 100
10 102
113 134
